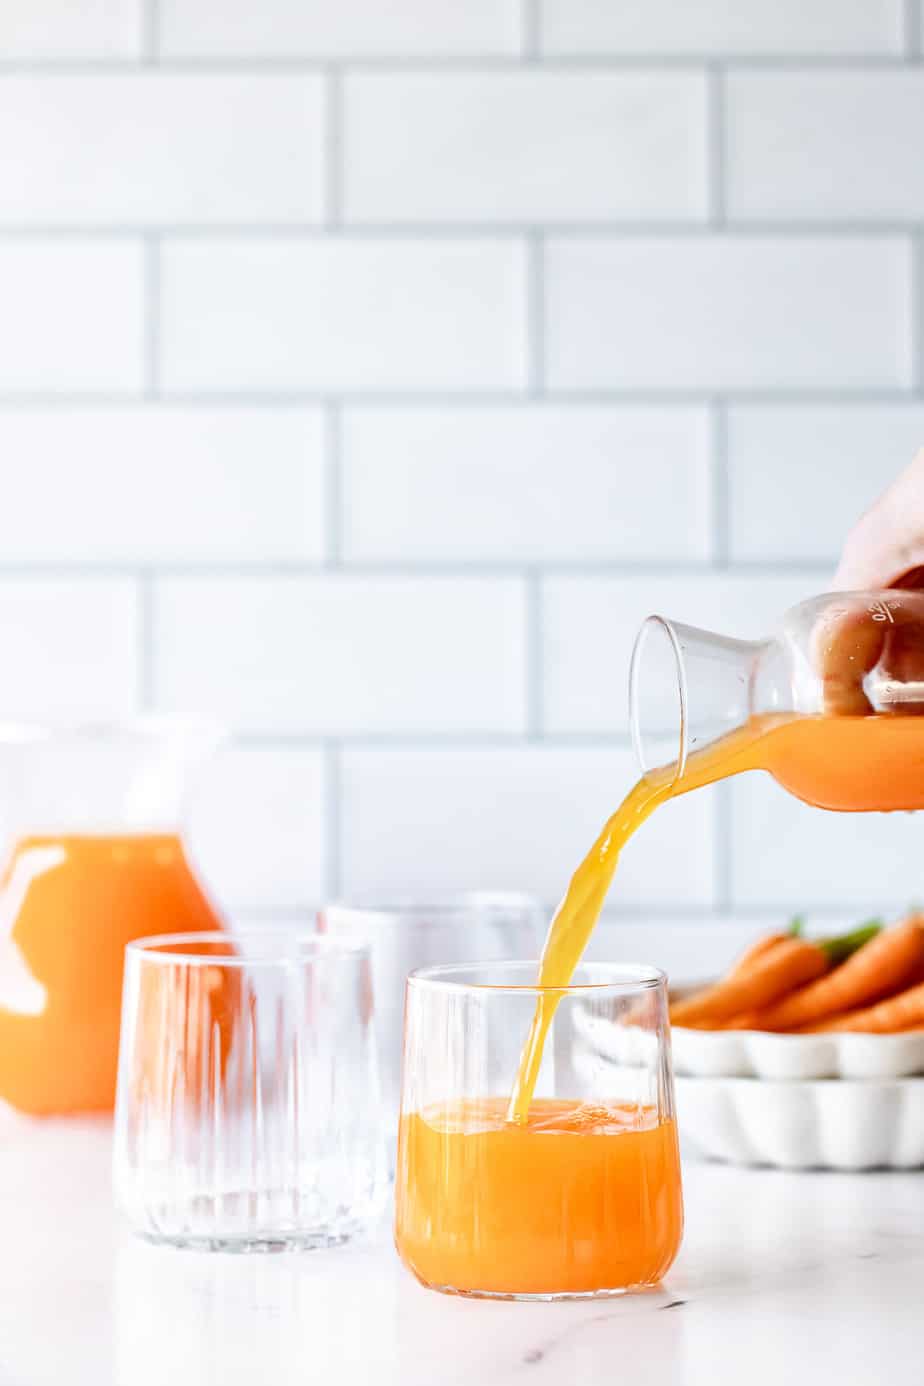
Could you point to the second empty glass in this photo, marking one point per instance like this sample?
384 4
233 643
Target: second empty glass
405 934
248 1113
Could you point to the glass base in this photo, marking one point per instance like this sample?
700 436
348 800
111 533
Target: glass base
267 1220
549 1297
257 1245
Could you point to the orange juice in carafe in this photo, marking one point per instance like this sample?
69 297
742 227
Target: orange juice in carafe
81 879
830 704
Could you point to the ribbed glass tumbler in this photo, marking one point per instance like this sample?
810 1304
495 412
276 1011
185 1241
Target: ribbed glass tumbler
248 1112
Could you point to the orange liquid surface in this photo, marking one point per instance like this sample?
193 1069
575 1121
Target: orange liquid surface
578 1199
70 904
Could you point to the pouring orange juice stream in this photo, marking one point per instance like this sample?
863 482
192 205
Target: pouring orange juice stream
835 762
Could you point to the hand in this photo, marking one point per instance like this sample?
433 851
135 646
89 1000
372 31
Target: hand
884 549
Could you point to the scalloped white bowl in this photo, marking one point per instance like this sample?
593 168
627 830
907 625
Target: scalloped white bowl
844 1124
795 1058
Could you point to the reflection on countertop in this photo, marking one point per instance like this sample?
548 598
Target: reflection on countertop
803 1278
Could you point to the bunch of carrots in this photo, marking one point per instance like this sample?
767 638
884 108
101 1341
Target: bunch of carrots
870 980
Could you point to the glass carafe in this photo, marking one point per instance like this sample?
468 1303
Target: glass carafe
830 704
93 859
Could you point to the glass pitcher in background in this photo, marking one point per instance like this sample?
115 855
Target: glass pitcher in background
830 705
93 860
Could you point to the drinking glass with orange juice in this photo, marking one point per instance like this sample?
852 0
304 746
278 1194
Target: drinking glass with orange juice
580 1198
94 859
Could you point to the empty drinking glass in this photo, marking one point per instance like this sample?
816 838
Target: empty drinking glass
247 1110
408 933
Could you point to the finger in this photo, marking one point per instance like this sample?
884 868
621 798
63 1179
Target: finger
888 542
848 647
903 671
911 581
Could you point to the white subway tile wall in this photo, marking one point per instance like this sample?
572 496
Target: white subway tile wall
344 655
367 373
71 315
253 148
727 312
720 28
342 314
798 476
246 789
70 647
524 146
868 862
97 30
535 483
144 483
465 819
341 29
822 145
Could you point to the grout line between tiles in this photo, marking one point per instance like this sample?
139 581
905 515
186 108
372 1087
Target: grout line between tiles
627 917
333 486
331 828
437 231
652 61
530 28
334 153
720 518
152 300
146 670
432 741
916 291
501 398
716 152
457 570
462 399
150 35
534 657
535 314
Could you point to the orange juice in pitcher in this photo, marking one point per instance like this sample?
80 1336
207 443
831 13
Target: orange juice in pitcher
94 860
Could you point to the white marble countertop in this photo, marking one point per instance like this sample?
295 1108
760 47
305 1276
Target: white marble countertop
783 1279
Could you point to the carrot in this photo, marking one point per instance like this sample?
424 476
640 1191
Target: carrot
902 1012
789 964
763 945
890 961
752 954
778 967
756 951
